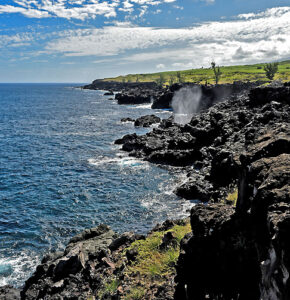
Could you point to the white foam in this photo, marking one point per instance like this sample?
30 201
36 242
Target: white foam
146 106
22 266
120 160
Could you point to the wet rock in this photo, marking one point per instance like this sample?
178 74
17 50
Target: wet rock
8 292
109 93
65 274
196 188
147 121
132 98
124 120
126 139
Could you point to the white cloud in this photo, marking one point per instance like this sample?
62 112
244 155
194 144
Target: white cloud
76 9
17 40
262 37
160 66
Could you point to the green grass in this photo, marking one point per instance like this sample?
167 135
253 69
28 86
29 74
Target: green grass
153 263
230 74
136 293
110 287
232 198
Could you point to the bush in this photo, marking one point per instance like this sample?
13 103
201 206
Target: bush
271 70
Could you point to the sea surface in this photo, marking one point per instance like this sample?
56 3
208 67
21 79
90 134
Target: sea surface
60 173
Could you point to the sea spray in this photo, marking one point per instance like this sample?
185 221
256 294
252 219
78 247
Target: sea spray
185 103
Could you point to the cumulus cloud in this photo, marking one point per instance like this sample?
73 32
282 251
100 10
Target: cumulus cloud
263 36
76 9
160 66
16 40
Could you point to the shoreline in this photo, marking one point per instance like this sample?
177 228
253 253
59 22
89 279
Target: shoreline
240 132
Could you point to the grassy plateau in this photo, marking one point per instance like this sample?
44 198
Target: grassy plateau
203 75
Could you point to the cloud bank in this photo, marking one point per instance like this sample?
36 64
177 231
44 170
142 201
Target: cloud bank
253 37
76 9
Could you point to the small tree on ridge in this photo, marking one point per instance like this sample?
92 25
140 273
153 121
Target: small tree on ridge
217 72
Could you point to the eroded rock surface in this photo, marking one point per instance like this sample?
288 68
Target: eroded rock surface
243 253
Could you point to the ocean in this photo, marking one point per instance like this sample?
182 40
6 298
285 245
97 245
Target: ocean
60 173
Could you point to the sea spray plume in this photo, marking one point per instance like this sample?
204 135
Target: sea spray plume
185 103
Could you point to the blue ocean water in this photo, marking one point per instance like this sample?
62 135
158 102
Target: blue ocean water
61 173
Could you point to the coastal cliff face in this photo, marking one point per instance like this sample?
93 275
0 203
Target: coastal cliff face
230 250
243 253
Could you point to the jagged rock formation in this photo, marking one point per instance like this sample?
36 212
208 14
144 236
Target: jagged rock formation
99 264
147 121
244 253
100 84
211 141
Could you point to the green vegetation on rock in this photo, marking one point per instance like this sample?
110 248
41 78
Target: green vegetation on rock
151 260
232 197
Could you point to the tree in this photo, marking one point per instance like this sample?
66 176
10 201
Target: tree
161 80
172 79
179 77
217 72
271 70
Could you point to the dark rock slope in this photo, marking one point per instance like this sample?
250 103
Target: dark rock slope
208 146
150 92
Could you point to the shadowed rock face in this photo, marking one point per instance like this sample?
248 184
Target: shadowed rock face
244 253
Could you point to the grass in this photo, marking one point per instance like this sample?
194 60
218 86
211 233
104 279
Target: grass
153 265
136 293
232 197
203 75
152 262
109 288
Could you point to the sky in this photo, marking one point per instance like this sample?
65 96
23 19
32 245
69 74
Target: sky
81 40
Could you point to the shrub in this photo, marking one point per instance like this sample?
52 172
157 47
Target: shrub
271 70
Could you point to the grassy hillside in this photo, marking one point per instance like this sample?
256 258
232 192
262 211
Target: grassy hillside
230 74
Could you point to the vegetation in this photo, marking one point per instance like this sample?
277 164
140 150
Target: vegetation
203 75
161 80
153 264
271 70
109 288
232 197
179 77
136 293
217 72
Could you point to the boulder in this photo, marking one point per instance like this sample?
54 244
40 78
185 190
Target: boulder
147 121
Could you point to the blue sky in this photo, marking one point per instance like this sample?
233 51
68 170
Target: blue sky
81 40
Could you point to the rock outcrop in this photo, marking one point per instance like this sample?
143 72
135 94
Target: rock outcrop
147 121
210 144
244 253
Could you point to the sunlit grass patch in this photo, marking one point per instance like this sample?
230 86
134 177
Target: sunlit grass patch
153 262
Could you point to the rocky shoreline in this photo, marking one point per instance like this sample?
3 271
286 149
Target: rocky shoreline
229 248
